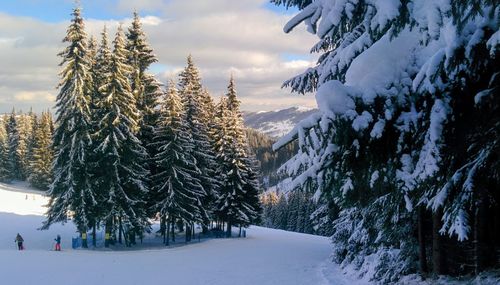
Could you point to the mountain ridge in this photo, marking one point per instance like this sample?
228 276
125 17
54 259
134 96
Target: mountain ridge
276 123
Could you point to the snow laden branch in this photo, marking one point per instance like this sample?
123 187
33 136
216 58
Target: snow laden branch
407 120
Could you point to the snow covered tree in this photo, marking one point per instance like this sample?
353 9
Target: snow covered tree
238 202
399 141
19 131
32 121
177 188
121 156
13 141
4 152
42 158
100 71
146 88
191 92
71 191
190 75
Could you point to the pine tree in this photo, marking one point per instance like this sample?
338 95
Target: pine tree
387 151
121 156
13 137
190 75
191 93
32 120
42 158
238 202
100 71
71 190
178 191
24 135
146 88
4 152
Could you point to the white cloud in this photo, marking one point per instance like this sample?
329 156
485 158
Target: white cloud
29 96
224 36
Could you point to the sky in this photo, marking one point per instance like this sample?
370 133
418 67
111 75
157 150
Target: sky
244 38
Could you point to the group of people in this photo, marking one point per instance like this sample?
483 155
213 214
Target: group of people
19 240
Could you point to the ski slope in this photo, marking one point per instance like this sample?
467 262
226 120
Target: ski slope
266 256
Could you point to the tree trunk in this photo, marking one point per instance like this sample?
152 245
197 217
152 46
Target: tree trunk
168 232
173 229
162 228
94 242
108 228
132 234
228 232
480 247
180 225
239 235
187 232
421 241
120 230
107 233
438 262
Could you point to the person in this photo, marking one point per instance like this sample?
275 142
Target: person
58 243
19 239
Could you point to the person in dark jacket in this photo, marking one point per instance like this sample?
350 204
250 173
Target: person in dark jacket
58 243
19 239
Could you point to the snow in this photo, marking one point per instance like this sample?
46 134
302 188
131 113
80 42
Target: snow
362 121
266 256
334 96
18 198
375 176
384 68
493 42
378 129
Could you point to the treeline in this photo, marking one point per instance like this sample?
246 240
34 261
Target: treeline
26 148
289 211
126 150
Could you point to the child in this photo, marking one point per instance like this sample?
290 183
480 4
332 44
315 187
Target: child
58 243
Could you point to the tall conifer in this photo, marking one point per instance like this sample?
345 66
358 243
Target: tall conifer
71 190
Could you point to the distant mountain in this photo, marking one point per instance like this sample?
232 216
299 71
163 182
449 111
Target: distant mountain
276 123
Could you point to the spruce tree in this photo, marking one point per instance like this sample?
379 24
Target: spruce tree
238 202
178 191
13 141
4 153
190 75
191 92
42 158
400 145
146 88
121 156
33 121
24 136
71 190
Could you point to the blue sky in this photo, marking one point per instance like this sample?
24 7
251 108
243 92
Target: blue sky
57 10
240 37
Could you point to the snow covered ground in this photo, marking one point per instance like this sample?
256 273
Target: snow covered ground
266 256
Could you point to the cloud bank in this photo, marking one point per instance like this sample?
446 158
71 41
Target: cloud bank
225 37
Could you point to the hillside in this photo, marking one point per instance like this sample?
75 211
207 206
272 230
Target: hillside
276 123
